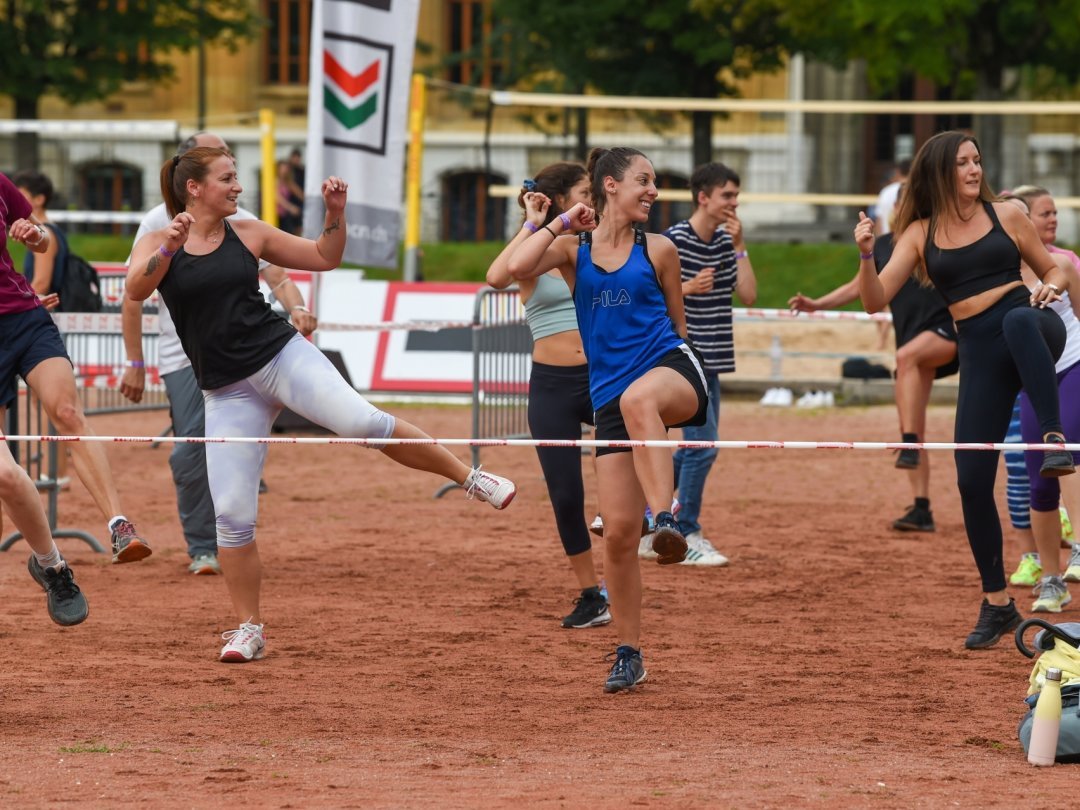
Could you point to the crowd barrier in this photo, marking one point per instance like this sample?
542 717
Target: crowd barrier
502 348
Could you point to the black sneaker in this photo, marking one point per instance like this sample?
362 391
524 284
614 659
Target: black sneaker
917 519
627 671
907 459
668 541
66 604
127 546
1056 462
993 623
590 610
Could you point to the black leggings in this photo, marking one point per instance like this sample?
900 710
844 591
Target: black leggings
1009 346
558 403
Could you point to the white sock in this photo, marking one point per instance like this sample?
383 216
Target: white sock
114 520
50 560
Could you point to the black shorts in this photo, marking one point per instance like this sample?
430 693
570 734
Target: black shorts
609 419
941 325
26 338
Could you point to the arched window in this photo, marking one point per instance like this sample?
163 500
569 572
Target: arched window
110 187
665 214
469 213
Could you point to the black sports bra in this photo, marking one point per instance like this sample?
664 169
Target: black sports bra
988 262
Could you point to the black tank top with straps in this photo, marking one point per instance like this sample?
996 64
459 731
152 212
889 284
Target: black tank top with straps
988 262
225 325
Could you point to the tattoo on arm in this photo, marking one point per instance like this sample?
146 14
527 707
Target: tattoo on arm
152 265
333 226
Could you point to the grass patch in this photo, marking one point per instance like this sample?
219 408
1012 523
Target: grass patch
92 747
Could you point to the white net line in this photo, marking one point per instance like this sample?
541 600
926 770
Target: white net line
759 444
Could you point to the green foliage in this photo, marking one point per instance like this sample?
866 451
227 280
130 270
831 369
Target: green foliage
960 44
83 50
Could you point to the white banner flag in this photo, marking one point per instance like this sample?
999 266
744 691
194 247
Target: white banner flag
358 104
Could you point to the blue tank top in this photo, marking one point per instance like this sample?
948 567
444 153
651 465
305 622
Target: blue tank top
550 309
623 319
988 262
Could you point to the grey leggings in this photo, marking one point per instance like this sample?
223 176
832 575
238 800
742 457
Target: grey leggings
300 378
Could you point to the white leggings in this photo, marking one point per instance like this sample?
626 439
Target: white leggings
300 378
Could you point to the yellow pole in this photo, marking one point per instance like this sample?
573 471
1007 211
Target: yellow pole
269 167
417 104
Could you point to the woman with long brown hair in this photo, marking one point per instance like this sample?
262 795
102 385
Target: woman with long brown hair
954 234
250 363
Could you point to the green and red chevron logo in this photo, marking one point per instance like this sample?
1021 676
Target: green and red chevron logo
354 101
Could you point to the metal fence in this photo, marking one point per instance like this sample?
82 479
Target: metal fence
502 351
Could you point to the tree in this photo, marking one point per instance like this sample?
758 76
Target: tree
84 50
967 46
689 48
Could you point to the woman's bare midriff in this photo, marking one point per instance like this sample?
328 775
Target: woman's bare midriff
560 349
969 307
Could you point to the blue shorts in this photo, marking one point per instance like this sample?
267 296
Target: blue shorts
26 338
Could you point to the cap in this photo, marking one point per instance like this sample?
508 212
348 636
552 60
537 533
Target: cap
1053 674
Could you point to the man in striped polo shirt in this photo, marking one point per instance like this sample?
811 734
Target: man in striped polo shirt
714 265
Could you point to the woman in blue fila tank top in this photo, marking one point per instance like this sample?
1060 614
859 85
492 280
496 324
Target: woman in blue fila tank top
558 380
953 233
643 376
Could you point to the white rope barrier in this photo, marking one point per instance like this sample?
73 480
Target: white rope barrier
631 443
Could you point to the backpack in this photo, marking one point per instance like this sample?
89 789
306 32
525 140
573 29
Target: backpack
1058 645
75 279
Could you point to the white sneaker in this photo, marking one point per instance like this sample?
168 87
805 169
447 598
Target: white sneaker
205 565
494 489
246 643
828 400
701 552
784 398
808 400
644 549
769 397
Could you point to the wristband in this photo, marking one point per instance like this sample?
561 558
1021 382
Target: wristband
553 234
530 227
742 254
136 364
300 307
40 236
866 256
166 252
565 220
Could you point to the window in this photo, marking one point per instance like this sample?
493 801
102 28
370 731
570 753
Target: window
468 43
288 41
110 187
469 213
665 214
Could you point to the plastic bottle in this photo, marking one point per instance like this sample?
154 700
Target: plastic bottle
1046 721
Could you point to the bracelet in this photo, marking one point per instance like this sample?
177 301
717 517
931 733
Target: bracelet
866 256
40 236
565 220
166 252
530 227
553 234
300 307
136 364
742 254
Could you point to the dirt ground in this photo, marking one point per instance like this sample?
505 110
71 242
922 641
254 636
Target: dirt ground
415 656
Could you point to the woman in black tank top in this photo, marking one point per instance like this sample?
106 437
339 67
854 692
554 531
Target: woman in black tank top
251 364
950 232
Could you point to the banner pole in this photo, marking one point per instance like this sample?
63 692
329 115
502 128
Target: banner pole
268 173
417 104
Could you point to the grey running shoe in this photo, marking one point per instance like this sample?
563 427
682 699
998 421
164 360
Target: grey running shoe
127 546
205 565
993 623
627 671
1053 596
1056 462
590 610
1072 570
65 602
